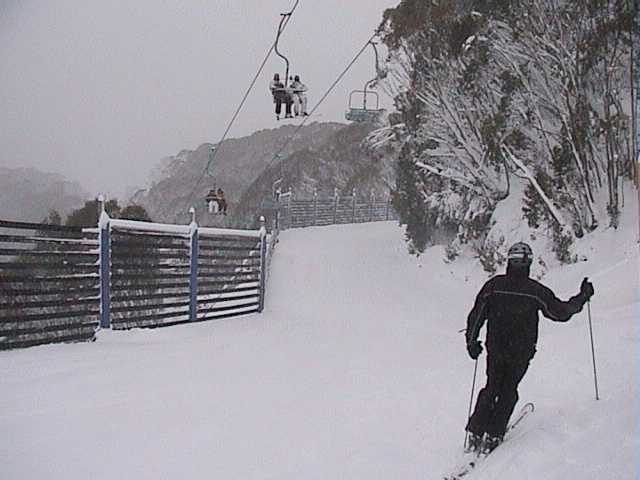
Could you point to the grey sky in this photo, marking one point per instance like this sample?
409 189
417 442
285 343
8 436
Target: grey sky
101 90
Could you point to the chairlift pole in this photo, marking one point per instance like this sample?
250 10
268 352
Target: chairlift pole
286 60
369 82
283 21
212 155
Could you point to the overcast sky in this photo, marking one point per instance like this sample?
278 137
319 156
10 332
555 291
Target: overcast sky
100 90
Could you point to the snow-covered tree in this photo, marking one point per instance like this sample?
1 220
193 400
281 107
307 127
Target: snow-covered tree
534 90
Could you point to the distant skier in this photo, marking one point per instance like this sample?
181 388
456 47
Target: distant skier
299 97
510 304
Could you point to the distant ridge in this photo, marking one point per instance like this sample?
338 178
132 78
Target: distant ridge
28 194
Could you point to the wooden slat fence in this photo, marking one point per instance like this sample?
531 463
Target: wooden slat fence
165 275
229 275
150 274
59 284
297 213
49 285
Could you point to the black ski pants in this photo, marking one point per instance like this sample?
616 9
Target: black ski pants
498 398
287 106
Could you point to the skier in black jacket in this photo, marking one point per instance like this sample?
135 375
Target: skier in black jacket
510 304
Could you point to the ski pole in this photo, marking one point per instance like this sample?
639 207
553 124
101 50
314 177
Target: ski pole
593 352
473 387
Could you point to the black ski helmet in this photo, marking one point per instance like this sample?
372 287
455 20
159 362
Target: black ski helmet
296 78
520 254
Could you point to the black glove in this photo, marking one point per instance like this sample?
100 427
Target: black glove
474 348
586 289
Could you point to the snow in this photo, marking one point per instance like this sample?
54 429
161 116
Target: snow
229 232
179 229
355 370
149 226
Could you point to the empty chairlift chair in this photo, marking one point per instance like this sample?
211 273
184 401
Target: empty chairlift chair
363 114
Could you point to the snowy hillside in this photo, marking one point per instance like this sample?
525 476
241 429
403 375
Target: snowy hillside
342 162
356 370
179 181
321 156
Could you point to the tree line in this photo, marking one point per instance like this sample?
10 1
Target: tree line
89 214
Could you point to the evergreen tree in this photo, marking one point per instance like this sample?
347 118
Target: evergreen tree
135 212
89 214
53 218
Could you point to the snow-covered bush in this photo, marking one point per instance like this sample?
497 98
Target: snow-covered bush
491 255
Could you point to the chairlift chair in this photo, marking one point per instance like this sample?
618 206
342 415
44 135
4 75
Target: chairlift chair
214 202
363 114
285 80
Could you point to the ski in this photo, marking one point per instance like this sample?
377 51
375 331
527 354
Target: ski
468 465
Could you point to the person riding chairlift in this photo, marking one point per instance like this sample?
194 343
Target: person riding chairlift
299 97
281 95
217 202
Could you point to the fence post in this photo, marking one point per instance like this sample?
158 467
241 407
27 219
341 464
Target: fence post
263 263
335 204
289 202
387 212
353 213
277 219
373 200
104 236
193 266
315 207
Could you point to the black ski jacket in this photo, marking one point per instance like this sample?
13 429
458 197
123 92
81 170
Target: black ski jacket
510 304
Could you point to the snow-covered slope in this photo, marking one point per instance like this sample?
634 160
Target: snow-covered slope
356 370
